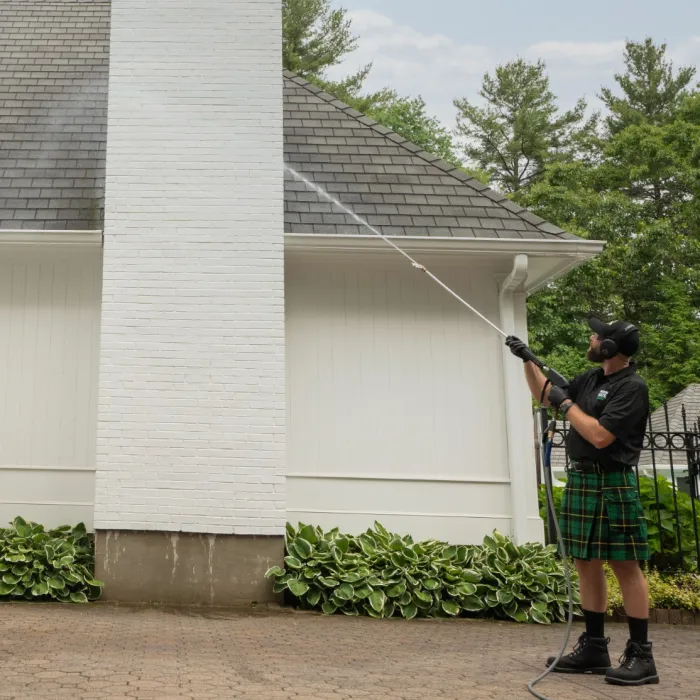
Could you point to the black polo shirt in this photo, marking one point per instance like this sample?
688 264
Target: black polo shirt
620 402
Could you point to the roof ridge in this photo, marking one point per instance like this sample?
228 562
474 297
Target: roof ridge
538 222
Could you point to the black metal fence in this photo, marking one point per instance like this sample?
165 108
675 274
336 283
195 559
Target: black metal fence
668 481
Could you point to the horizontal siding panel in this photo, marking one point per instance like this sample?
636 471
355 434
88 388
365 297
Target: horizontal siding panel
389 375
415 499
49 345
46 486
49 335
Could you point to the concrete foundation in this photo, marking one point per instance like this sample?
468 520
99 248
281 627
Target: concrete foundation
176 568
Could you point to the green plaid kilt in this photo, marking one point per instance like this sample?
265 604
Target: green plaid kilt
601 517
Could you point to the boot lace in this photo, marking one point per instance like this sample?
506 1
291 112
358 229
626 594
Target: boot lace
581 644
630 656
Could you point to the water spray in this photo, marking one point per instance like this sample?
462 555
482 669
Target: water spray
552 376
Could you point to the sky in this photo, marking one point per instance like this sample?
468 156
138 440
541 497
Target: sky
440 49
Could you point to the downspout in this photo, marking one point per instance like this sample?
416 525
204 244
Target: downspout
518 421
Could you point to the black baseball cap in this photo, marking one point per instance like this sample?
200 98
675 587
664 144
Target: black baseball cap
625 335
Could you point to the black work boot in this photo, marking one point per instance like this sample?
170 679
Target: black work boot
637 666
590 655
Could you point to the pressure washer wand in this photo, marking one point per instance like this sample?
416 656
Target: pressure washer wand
551 374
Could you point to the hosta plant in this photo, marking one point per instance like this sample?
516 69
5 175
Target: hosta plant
47 565
382 574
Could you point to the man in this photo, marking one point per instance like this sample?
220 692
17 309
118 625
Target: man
601 515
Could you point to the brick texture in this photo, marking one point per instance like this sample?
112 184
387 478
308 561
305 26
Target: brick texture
191 416
148 654
54 60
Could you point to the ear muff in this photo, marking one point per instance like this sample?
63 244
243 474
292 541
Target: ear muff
608 348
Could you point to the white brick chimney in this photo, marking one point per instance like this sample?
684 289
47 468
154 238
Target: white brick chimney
192 398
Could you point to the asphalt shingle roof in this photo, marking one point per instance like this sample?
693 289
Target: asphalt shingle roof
689 399
54 62
53 113
391 183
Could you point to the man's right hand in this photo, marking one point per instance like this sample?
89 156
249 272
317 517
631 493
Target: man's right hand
517 347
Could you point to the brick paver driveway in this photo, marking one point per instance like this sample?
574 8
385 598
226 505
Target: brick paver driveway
102 652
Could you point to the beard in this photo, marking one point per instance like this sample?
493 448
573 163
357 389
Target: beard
594 355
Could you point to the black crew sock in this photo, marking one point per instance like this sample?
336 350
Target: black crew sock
595 623
639 629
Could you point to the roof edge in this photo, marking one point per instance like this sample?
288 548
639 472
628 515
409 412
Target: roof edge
524 214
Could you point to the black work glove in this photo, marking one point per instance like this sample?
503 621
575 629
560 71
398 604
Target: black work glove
557 396
517 347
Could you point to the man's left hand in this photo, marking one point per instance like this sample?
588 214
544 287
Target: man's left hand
557 396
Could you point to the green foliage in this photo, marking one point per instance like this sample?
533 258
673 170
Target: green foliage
315 37
639 194
520 129
382 574
663 542
666 591
651 92
54 565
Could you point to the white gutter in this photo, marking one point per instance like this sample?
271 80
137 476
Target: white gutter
24 237
581 248
517 276
564 254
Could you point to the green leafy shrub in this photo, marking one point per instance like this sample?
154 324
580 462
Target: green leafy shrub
666 591
54 565
382 574
663 543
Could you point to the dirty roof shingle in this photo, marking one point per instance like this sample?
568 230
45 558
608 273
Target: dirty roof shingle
54 63
53 113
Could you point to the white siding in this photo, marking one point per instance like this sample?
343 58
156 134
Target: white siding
49 337
191 417
395 407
